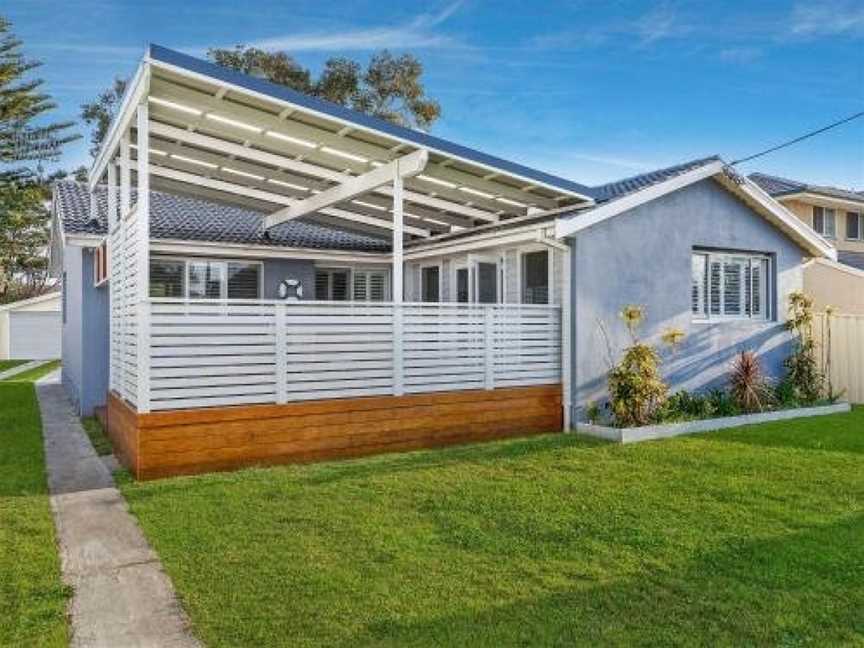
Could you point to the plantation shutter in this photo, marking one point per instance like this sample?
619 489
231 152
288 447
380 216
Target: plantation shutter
244 280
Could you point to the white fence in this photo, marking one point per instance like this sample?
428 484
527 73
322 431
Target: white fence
206 353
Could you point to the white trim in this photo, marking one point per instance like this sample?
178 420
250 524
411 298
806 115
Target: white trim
575 224
815 198
405 167
241 250
527 233
137 87
31 300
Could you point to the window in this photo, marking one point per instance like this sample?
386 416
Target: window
206 279
462 290
535 278
332 285
168 278
824 221
370 285
487 283
729 286
430 277
854 226
175 278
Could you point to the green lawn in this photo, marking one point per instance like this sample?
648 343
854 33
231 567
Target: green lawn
10 364
32 597
753 536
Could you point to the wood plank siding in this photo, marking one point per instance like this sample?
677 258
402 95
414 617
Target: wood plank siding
192 441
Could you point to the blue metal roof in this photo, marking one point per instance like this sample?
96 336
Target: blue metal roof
254 84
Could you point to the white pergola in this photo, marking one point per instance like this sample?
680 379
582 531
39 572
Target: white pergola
188 126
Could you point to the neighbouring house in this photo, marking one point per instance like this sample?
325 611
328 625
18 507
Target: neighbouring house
30 328
836 214
258 276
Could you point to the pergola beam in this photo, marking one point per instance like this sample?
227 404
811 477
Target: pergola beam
254 155
274 198
403 167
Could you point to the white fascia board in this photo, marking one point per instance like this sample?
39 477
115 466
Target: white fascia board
570 226
137 88
405 166
820 199
354 126
530 234
32 300
84 240
787 219
239 250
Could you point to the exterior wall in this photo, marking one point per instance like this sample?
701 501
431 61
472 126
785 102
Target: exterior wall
85 332
835 285
39 306
644 257
804 211
4 335
221 438
277 270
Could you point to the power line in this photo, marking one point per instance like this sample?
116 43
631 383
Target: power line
799 139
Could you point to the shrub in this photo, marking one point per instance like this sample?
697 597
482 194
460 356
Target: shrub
637 391
802 367
747 384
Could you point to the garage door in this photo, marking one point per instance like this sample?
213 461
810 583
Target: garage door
34 335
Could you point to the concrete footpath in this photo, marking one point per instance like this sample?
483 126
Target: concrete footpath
122 597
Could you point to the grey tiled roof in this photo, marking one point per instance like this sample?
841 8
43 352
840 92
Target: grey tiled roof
854 259
782 186
620 188
192 219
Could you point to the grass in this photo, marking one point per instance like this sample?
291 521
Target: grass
11 364
751 536
94 430
34 374
32 597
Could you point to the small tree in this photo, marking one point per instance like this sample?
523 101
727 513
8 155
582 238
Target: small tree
748 386
637 391
802 367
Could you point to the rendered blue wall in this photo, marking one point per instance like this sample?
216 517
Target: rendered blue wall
85 332
644 257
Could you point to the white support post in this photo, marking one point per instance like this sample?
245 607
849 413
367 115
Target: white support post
111 218
125 177
398 363
281 353
142 255
489 345
566 342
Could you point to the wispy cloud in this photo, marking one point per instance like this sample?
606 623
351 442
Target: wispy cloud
92 49
418 33
661 23
740 55
833 18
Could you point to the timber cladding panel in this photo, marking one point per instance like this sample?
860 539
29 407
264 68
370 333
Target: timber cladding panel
221 438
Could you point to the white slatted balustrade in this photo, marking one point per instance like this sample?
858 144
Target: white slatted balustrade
214 353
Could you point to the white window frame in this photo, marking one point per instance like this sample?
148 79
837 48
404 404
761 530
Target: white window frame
825 211
440 281
721 256
860 216
474 261
456 268
186 261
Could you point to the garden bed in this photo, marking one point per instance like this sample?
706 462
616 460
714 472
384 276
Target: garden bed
667 430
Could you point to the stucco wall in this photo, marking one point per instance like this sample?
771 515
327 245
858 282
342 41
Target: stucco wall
644 257
85 333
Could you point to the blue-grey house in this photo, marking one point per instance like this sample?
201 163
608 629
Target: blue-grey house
253 275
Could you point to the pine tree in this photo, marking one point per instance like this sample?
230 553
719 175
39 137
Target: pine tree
27 140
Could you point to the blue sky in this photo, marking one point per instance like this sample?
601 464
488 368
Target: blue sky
590 90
